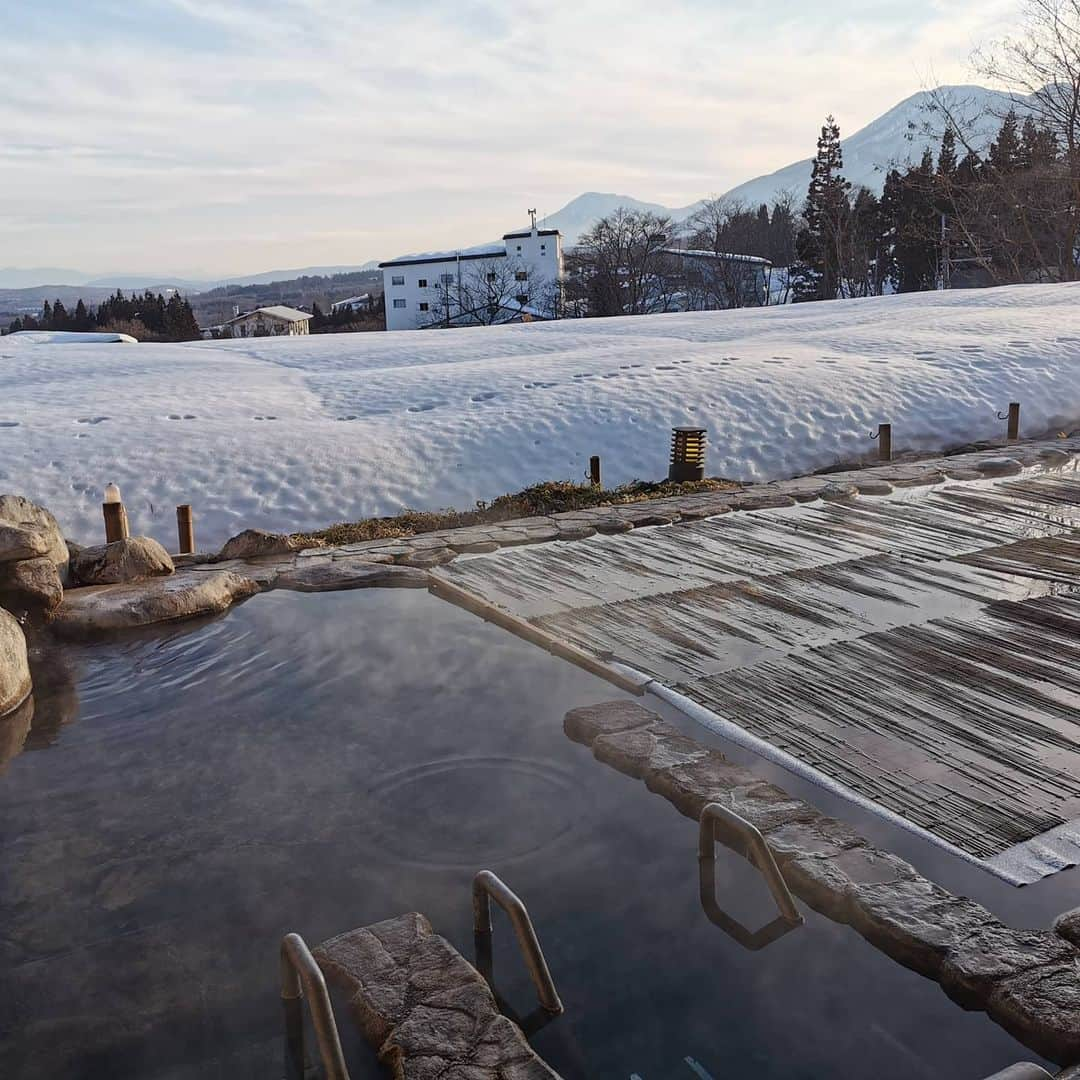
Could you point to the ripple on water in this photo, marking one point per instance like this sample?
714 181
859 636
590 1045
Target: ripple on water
464 812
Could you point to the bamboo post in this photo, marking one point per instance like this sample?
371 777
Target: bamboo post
185 529
116 521
885 442
1014 421
594 470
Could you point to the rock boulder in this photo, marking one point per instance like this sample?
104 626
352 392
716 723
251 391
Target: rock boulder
32 585
14 668
109 608
18 542
253 543
20 513
134 559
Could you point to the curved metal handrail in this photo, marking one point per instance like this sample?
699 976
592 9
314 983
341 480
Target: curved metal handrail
487 887
758 851
300 972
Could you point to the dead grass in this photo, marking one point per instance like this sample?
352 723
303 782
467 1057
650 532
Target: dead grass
552 497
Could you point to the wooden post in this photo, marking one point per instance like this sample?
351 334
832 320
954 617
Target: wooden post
1014 421
185 529
884 432
116 522
594 470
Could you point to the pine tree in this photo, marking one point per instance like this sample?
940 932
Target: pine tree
946 162
1005 152
821 244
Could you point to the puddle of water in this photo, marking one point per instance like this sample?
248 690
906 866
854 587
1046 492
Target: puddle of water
316 763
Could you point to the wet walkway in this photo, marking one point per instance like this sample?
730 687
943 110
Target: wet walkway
917 651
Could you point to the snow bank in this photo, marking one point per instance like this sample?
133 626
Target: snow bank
289 433
70 337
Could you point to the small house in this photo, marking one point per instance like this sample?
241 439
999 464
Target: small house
274 321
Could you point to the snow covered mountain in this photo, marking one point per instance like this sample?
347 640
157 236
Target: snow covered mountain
899 136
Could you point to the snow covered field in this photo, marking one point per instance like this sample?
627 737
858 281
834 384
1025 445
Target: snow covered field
292 433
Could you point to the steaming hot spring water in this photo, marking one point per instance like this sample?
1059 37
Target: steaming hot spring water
317 763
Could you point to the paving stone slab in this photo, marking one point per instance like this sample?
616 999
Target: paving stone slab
425 1009
357 573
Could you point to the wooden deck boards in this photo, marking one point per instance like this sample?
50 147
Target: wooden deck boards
921 650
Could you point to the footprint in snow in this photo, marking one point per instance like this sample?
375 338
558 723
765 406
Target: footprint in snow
264 418
426 407
9 423
178 416
483 397
781 357
664 367
91 419
611 375
351 416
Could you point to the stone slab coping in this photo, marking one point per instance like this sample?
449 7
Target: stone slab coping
1028 981
427 1011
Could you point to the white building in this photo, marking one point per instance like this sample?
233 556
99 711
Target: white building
518 279
270 322
352 303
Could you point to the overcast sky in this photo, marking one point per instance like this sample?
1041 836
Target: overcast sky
212 137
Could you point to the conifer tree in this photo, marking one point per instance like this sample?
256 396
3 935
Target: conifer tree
821 244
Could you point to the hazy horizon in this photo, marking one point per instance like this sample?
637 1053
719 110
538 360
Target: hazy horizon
207 141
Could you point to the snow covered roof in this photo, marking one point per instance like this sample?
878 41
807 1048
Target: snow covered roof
719 256
71 337
480 251
363 298
276 311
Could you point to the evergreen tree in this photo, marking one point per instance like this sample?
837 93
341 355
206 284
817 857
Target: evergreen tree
1005 154
821 243
946 162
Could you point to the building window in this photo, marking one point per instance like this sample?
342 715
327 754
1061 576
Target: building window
397 279
423 306
521 275
399 303
543 249
519 248
492 276
447 279
422 283
522 298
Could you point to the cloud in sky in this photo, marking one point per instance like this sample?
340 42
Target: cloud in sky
229 136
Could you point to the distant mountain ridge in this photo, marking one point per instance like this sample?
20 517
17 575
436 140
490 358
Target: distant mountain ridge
52 277
896 137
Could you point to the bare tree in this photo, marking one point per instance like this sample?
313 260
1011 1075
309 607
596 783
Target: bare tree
621 266
1042 64
491 291
1020 223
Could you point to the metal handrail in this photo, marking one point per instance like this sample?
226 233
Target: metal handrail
759 853
487 887
300 972
750 940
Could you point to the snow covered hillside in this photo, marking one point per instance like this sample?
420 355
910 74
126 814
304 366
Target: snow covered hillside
299 432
